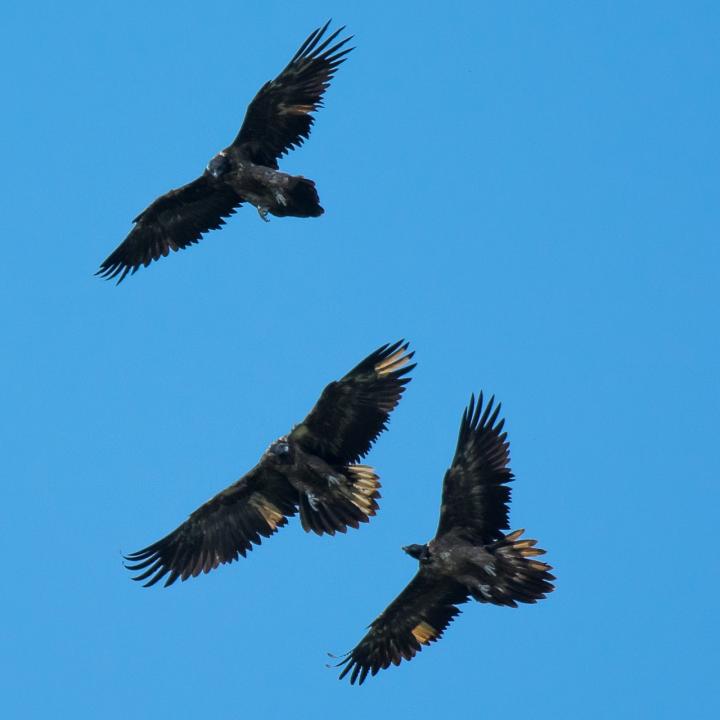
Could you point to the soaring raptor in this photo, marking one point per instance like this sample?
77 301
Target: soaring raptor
277 120
314 470
470 555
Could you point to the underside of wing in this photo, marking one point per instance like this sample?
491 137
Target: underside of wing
172 222
353 411
279 117
475 490
417 617
219 531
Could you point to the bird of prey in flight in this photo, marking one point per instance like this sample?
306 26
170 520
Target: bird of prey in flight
314 469
470 555
277 120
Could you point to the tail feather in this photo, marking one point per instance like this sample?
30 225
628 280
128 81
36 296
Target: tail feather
319 518
516 577
343 505
301 199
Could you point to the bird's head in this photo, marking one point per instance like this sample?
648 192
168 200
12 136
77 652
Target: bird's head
419 552
280 451
218 165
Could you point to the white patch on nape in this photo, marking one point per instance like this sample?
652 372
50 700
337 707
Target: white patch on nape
314 504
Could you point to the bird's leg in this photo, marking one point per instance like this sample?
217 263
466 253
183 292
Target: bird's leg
263 213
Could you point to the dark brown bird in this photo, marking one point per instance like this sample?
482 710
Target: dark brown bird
314 470
470 555
277 120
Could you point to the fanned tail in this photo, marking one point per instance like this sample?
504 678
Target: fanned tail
345 504
515 576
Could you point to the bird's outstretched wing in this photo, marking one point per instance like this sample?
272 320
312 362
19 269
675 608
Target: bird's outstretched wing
173 221
278 119
417 617
475 491
217 532
353 411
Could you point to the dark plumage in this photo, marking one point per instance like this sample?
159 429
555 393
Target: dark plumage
277 120
314 470
470 555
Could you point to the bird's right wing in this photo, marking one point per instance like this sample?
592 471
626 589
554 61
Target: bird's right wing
279 117
354 410
475 491
172 222
417 617
217 532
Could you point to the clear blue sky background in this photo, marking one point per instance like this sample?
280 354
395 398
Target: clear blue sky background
526 191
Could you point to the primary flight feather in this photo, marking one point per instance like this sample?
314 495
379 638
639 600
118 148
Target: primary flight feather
277 120
313 470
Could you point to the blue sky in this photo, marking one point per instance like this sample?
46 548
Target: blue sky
528 192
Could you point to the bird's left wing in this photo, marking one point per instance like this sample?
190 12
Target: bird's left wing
353 411
279 116
172 222
475 491
217 532
417 617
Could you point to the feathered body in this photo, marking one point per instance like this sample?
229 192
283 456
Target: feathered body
330 497
278 119
469 557
313 470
